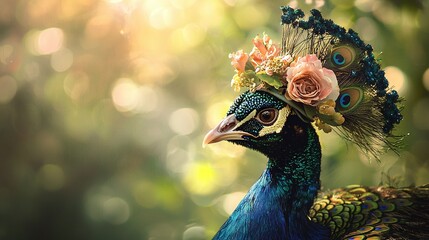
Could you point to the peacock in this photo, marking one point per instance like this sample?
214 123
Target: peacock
320 76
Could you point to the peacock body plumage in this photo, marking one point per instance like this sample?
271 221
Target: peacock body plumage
358 212
285 202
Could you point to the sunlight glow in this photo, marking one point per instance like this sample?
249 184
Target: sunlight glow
161 18
182 4
193 34
250 16
104 105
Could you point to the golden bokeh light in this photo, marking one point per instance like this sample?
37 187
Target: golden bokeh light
125 95
184 121
62 60
49 41
397 79
201 178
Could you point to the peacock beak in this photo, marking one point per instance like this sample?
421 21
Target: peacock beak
225 130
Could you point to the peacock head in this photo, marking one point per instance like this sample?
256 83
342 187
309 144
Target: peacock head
262 122
255 120
320 74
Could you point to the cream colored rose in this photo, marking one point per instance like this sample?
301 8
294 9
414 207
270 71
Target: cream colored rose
309 82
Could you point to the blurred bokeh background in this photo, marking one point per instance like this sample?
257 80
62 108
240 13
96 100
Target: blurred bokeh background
104 105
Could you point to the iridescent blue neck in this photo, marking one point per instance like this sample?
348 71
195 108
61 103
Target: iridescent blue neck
277 205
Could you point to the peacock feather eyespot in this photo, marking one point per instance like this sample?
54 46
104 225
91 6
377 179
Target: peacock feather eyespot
345 100
342 57
338 59
349 99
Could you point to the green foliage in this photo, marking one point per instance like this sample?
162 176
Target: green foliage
271 80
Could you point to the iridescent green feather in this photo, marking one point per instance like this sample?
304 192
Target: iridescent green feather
358 212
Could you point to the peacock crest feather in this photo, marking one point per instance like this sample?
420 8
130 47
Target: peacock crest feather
367 103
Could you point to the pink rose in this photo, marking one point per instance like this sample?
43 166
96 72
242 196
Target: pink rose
238 60
263 49
309 82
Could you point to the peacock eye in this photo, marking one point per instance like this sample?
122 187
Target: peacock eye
267 116
342 56
345 100
349 98
339 59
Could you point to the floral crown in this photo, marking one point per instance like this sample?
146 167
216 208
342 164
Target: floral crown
302 82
